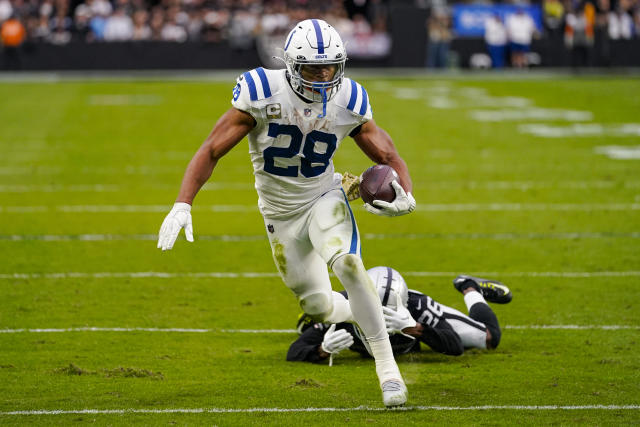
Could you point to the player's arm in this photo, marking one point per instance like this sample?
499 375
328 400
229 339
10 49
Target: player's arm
441 337
307 348
227 132
376 143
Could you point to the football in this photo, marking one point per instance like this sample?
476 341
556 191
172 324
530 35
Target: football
376 184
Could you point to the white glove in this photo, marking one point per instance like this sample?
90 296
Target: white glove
179 217
336 341
397 320
403 204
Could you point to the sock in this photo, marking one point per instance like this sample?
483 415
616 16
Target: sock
367 312
472 298
341 310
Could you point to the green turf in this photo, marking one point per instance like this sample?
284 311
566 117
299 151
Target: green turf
535 211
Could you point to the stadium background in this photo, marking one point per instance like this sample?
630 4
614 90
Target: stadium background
222 34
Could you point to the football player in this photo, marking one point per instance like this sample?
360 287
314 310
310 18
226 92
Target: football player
295 119
411 318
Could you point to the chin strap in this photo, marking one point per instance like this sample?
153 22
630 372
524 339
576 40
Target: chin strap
324 104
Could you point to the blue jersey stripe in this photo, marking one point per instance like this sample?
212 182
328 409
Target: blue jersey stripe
354 234
318 36
265 82
354 95
365 102
253 93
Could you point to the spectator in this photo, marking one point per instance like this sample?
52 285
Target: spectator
12 34
42 31
520 31
553 16
579 35
620 25
156 23
172 31
60 34
119 26
194 25
242 29
141 31
97 26
215 24
81 28
439 34
495 35
100 7
6 10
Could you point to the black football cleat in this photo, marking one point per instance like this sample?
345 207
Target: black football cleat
304 322
491 290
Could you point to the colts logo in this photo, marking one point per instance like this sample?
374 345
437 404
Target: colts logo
236 92
307 112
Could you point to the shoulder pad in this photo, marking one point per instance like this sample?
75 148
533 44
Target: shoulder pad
357 99
258 83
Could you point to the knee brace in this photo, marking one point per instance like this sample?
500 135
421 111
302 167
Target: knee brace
317 305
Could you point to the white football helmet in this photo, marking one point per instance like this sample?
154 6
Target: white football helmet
315 42
389 283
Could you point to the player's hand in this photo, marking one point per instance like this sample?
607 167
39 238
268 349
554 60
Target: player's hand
397 320
178 218
336 341
403 204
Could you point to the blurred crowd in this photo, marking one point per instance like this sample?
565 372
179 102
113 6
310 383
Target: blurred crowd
584 27
240 22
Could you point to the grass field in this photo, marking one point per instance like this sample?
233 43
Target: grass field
512 181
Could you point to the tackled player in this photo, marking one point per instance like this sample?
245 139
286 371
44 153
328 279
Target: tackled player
295 119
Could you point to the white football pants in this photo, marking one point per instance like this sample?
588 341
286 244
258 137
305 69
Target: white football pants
305 244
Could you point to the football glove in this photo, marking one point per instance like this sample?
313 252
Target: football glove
397 320
403 204
336 341
351 186
178 218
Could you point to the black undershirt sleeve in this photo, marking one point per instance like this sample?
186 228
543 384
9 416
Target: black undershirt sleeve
355 131
305 348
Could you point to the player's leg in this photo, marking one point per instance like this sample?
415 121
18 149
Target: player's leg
305 272
475 290
334 234
472 332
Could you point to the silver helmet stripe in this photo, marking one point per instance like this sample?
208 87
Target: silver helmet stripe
387 288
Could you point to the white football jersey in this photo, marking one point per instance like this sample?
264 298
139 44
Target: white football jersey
291 147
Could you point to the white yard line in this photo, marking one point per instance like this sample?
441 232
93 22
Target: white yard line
425 207
325 409
248 186
287 331
263 275
369 236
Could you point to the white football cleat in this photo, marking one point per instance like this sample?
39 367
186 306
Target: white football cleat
394 393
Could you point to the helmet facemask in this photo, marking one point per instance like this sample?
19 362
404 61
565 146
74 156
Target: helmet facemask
314 91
